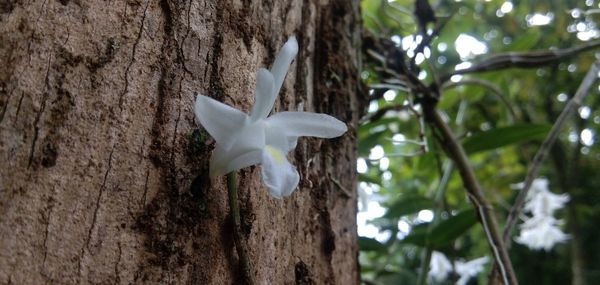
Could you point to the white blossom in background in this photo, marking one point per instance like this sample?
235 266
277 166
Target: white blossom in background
540 202
541 230
439 267
244 140
541 233
469 269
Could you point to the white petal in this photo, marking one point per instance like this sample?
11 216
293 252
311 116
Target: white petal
282 63
469 269
440 266
275 136
301 124
265 97
238 162
278 174
221 121
250 138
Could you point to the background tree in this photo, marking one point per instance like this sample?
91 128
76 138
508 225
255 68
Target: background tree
104 172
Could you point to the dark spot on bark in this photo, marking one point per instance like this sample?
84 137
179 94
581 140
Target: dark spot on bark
111 48
6 7
328 243
64 2
198 142
248 218
4 97
67 58
49 154
303 275
199 186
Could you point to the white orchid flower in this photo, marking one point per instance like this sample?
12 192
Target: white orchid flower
469 269
541 202
244 140
440 267
541 230
541 233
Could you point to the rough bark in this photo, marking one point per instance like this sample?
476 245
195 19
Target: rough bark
103 169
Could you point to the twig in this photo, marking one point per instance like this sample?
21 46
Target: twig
522 60
542 153
240 244
485 84
381 112
486 216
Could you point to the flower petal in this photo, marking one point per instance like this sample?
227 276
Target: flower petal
278 174
221 121
265 97
282 63
222 163
250 138
301 124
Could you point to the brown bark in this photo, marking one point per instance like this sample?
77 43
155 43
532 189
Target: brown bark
103 170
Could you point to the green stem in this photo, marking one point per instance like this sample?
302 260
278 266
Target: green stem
240 245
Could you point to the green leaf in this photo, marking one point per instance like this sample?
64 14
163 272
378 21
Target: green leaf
369 244
370 179
366 144
408 205
401 276
443 233
417 235
504 136
447 231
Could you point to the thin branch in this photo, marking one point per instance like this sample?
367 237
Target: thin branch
240 245
382 111
486 216
522 59
486 84
542 153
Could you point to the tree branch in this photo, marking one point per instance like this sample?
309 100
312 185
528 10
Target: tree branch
488 221
522 60
542 153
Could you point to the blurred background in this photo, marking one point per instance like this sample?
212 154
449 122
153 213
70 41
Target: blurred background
504 70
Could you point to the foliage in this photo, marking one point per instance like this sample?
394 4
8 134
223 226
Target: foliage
500 116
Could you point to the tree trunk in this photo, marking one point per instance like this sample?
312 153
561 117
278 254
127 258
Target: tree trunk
103 169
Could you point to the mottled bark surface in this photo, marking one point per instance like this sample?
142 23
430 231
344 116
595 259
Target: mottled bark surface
103 169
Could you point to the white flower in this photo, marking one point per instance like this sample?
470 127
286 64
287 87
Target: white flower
440 267
541 233
244 140
469 269
541 202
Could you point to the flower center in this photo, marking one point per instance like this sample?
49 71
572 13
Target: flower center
275 153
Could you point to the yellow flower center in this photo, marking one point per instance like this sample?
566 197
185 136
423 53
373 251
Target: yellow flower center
275 153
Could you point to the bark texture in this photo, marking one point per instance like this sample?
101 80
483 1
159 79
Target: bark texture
103 169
